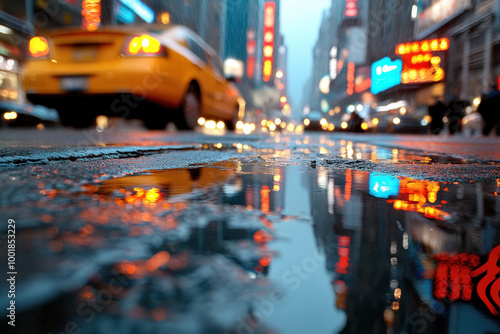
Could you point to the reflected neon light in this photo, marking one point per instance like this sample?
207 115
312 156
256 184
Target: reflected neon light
491 271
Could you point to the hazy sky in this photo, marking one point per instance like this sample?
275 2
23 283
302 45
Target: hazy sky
300 22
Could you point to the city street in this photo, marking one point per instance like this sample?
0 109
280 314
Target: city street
124 230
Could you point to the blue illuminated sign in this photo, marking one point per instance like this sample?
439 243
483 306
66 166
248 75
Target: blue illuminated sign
140 9
124 15
383 185
385 74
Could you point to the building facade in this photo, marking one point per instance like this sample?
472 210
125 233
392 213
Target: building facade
463 61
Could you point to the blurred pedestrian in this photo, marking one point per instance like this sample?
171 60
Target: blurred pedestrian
455 113
489 108
354 123
437 112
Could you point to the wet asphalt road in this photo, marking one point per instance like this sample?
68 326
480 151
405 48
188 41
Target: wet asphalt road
187 232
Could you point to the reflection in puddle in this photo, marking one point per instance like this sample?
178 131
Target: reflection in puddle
246 246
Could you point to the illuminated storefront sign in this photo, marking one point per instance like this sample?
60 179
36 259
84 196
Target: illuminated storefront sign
420 63
268 48
333 63
385 74
140 9
438 44
350 78
91 11
351 8
434 13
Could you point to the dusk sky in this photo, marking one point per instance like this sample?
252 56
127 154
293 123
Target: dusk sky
300 22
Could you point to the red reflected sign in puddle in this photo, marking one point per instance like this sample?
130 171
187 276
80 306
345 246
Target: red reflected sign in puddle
492 270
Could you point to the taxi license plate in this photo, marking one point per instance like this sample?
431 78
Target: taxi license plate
74 84
85 54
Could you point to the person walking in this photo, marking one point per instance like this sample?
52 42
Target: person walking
437 112
455 113
489 109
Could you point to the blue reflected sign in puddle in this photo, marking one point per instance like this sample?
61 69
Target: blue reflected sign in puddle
383 185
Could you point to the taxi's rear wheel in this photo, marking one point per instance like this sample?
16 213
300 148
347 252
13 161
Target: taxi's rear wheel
189 111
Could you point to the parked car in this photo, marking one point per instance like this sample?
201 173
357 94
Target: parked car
26 114
154 73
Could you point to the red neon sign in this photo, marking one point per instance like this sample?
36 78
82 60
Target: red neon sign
268 47
491 278
350 78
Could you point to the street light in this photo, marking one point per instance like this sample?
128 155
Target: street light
279 74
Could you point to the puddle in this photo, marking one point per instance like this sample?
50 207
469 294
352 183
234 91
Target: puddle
247 247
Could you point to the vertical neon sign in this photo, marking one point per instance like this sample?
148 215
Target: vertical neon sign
250 53
268 49
350 78
91 11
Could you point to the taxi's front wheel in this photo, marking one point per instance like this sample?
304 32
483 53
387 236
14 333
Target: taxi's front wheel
189 111
231 125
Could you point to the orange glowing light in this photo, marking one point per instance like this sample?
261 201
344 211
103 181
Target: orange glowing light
152 195
144 44
38 47
264 197
262 236
265 261
441 44
158 260
348 184
268 39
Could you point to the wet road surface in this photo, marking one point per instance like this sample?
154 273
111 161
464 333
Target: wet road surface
232 234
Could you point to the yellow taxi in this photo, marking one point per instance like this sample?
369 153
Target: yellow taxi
155 73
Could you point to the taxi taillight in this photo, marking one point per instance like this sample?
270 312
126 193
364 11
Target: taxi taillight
38 47
143 45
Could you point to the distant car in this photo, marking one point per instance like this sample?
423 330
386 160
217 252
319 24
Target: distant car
390 122
314 121
26 114
154 73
